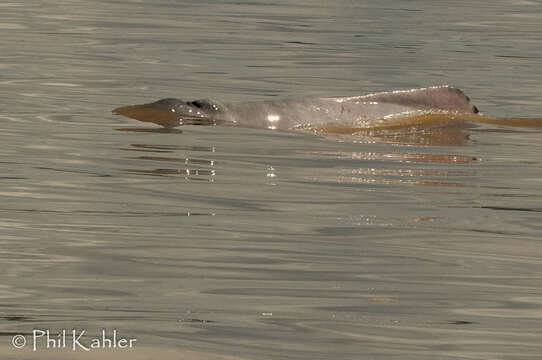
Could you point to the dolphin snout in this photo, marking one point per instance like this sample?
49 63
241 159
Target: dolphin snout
157 113
169 113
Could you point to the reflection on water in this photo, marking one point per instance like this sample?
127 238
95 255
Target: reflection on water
401 157
429 137
185 161
152 130
346 179
220 242
406 172
167 148
186 172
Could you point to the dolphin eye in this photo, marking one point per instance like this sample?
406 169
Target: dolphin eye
199 103
204 105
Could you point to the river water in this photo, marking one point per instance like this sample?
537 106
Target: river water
222 242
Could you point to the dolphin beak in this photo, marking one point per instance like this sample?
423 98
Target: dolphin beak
154 113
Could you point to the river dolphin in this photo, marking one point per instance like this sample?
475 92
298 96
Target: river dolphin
431 106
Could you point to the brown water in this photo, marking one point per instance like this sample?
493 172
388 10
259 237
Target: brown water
256 244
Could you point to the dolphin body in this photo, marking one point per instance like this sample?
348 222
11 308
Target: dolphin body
431 106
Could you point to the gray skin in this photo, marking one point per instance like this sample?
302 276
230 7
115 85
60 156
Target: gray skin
350 112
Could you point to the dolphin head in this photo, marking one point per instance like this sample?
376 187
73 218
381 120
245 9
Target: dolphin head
173 112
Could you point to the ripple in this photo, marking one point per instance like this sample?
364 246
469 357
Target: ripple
60 84
11 26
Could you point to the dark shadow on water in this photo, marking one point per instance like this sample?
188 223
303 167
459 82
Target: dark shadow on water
460 322
503 208
16 318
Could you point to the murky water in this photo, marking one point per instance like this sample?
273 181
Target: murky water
257 244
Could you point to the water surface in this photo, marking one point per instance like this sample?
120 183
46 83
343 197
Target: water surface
257 244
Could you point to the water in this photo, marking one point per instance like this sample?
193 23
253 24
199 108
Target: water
220 242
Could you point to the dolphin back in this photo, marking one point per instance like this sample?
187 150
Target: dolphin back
355 112
442 98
